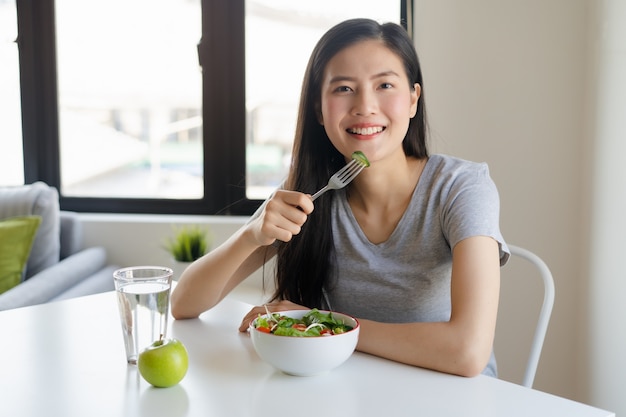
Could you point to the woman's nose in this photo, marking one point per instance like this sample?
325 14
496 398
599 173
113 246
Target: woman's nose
364 103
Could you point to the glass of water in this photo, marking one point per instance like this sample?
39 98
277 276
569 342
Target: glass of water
143 298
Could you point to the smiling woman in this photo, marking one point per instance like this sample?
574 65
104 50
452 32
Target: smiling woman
411 246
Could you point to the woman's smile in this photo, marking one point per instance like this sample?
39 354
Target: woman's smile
365 132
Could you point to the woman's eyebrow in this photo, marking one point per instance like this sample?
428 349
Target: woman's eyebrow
341 78
386 74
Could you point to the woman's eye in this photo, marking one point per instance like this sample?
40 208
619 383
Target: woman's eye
386 86
343 89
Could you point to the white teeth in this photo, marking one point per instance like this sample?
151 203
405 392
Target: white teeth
366 130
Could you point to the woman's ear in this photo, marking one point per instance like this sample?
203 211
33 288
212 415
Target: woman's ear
415 96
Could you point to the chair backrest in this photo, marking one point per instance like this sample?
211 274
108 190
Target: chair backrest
545 311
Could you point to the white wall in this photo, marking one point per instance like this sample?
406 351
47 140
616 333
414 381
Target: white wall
505 84
514 84
537 89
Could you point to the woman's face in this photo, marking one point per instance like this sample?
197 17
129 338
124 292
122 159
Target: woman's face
367 101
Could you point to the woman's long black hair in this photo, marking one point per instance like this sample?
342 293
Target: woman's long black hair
303 265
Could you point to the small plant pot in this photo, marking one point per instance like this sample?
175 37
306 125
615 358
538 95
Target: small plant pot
188 244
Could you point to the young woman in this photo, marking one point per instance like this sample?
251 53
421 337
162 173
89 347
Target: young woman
411 247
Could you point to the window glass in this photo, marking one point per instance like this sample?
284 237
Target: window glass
11 155
280 35
130 98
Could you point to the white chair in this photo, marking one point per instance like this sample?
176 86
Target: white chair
544 314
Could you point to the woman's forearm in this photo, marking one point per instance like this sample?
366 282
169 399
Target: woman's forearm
209 279
439 346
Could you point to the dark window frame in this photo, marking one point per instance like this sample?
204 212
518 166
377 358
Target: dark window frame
223 109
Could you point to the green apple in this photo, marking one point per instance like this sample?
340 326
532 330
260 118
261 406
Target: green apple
164 363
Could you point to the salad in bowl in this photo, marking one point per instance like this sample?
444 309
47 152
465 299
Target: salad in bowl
304 342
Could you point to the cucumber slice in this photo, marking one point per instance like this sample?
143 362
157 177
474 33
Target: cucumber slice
360 156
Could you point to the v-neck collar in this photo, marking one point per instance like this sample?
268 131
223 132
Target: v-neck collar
418 191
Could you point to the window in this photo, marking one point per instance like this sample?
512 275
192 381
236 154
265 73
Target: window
129 98
167 107
11 165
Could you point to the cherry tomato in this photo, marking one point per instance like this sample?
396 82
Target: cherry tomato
264 329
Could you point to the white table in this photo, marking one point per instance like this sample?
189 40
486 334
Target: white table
67 359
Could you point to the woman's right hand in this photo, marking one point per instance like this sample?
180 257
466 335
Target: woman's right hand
282 218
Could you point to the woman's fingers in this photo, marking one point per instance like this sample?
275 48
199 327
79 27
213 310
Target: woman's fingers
284 215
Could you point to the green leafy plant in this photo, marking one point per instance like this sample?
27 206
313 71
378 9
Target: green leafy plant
189 243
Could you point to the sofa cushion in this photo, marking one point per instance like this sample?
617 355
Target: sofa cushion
55 280
37 199
17 235
101 281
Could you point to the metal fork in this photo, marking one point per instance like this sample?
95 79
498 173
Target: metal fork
342 177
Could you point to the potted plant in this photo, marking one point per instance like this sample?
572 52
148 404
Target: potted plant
188 244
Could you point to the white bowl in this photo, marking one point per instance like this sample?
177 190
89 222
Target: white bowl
306 356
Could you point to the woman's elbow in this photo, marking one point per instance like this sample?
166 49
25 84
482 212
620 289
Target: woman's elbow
180 306
179 312
471 360
471 369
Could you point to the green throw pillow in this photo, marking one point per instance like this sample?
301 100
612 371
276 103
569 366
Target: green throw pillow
16 239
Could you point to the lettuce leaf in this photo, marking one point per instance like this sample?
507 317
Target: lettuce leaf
290 331
327 319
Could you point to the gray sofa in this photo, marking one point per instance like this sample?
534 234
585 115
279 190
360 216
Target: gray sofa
58 266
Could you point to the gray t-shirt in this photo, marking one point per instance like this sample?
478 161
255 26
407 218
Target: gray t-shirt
407 278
